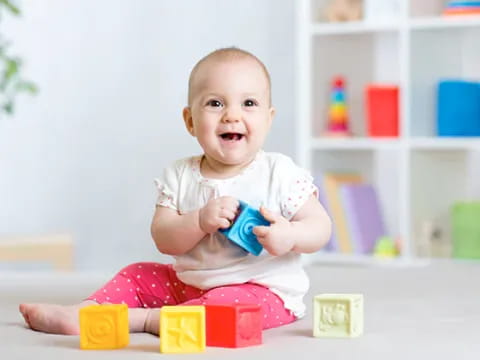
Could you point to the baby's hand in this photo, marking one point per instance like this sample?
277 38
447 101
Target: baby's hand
218 214
277 238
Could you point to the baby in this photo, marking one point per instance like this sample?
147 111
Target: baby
229 112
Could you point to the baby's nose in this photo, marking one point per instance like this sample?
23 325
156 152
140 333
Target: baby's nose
232 114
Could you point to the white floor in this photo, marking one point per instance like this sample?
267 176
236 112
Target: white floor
430 312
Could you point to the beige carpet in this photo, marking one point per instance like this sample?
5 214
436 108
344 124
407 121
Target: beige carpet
430 312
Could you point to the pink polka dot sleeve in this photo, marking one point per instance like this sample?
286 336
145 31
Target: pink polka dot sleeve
297 189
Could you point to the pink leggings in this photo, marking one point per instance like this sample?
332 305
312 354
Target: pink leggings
153 285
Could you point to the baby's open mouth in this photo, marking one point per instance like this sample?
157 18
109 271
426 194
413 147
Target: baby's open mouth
232 136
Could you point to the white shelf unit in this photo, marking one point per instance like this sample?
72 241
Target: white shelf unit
417 175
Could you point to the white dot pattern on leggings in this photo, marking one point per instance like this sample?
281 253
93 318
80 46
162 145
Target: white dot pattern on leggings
266 300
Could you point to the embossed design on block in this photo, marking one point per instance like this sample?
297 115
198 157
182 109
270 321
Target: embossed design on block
182 329
248 320
338 315
104 327
241 232
334 316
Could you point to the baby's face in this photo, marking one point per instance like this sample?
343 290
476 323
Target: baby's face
230 112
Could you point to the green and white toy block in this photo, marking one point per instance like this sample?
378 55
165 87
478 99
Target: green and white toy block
466 230
338 315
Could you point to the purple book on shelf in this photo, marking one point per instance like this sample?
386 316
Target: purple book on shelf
332 245
364 216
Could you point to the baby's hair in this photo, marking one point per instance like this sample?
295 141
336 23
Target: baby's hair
223 54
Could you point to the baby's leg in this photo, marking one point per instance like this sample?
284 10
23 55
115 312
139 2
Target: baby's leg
271 306
63 319
274 313
140 286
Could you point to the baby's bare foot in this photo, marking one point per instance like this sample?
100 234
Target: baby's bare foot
50 318
63 319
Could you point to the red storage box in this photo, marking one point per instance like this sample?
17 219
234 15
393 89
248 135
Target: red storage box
381 105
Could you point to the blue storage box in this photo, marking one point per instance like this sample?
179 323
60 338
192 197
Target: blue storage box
458 108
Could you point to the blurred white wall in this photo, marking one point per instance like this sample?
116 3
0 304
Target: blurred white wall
81 156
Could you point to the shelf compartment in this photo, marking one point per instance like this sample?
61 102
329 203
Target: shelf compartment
377 167
361 59
439 178
430 10
456 54
426 8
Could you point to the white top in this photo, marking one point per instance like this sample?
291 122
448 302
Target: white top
272 180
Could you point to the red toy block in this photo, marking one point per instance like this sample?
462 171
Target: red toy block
382 110
233 326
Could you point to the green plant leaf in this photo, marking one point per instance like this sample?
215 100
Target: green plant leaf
11 7
8 107
26 86
11 68
11 82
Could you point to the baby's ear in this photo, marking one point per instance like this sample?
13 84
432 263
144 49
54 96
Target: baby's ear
187 118
272 112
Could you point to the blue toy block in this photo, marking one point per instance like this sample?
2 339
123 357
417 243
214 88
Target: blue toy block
469 4
241 231
458 108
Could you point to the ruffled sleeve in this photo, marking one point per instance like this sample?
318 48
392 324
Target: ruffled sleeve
167 186
297 187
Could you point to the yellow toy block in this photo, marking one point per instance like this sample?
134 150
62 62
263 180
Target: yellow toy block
338 315
104 327
182 329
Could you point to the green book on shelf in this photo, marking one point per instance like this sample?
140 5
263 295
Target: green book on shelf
466 230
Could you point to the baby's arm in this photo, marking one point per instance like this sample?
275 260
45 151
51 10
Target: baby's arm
312 227
307 232
176 234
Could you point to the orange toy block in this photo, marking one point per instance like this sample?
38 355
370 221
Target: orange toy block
182 329
234 326
104 327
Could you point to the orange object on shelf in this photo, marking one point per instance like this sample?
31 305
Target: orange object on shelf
462 11
381 108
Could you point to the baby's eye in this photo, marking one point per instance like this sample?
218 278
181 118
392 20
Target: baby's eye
250 102
214 103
